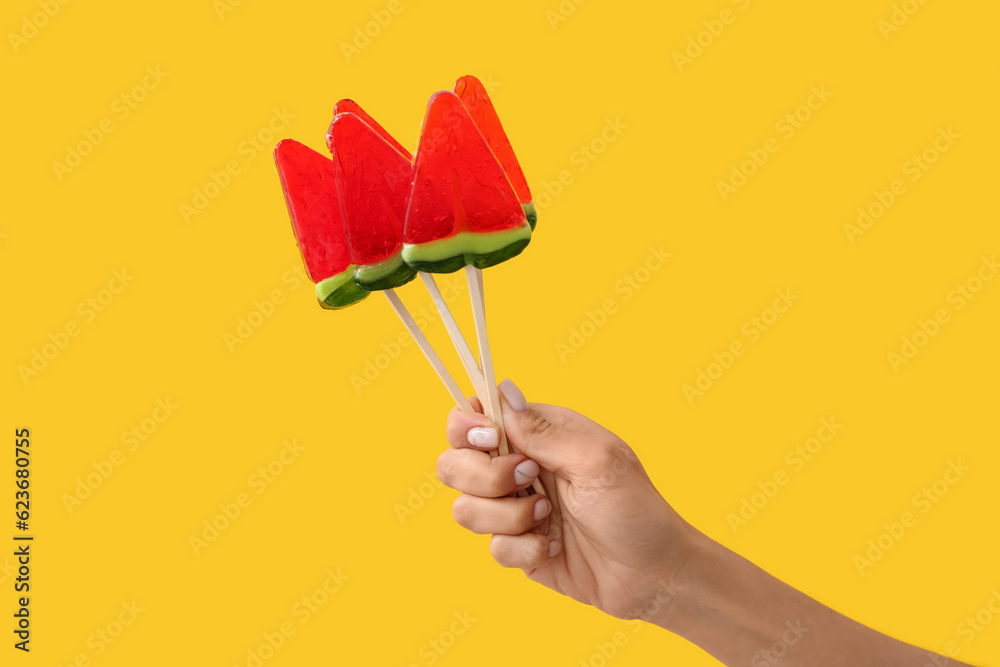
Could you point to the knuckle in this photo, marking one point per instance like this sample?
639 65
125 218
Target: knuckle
501 473
538 425
526 513
498 550
461 512
446 469
612 459
539 550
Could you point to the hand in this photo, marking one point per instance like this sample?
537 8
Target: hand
605 536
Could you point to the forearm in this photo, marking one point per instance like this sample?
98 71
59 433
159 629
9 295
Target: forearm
743 616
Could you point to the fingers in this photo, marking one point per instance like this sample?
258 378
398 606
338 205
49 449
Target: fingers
471 429
526 551
554 447
479 474
571 420
510 516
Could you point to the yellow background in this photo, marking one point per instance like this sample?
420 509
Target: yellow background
556 85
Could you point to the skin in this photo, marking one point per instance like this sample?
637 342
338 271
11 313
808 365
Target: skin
606 537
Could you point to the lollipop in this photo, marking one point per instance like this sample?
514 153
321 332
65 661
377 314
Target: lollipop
350 106
475 98
369 220
309 184
373 180
462 209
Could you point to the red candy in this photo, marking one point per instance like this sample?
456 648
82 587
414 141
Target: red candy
309 183
458 184
477 101
373 182
350 106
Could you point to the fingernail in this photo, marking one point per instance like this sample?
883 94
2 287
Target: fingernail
542 509
484 437
526 471
554 548
513 395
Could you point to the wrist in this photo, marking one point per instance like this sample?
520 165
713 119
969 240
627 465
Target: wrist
679 588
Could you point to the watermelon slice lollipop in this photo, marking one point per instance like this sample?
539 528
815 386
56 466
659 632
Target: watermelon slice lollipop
350 106
309 184
462 209
475 98
373 180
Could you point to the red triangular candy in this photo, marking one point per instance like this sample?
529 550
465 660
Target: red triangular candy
373 180
350 106
310 188
458 185
475 98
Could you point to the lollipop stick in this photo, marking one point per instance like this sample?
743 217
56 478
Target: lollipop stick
425 347
492 404
461 346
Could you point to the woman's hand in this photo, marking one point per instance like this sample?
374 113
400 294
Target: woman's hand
605 536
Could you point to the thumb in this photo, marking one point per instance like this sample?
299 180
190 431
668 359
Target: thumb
552 446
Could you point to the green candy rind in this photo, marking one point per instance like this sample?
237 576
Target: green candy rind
479 249
339 291
530 214
387 274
